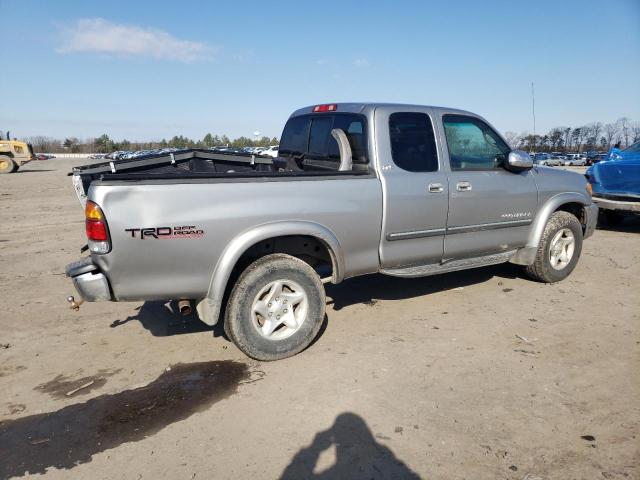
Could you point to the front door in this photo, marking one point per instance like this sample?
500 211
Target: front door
415 188
490 208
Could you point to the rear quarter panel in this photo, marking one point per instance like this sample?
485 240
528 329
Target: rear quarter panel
176 267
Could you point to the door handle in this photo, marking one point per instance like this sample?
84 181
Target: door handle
463 186
435 188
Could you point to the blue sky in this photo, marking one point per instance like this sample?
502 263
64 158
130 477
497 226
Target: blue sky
152 69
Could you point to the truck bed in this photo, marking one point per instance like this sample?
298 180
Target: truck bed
202 163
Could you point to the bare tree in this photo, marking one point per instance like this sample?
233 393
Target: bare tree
611 132
635 130
555 137
44 144
567 138
625 129
511 138
594 134
576 137
603 143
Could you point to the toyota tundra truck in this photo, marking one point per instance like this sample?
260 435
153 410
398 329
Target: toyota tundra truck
356 188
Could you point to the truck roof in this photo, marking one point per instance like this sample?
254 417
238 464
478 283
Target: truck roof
364 107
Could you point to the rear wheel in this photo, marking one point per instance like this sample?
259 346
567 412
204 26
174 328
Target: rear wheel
7 165
559 249
276 308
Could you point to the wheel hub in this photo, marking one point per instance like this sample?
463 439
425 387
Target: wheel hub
279 309
562 248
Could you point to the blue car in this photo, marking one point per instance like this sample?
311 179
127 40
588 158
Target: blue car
616 184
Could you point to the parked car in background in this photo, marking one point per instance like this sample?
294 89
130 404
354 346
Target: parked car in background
576 161
616 185
547 160
592 157
272 151
575 158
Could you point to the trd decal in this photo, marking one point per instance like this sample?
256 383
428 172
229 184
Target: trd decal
165 233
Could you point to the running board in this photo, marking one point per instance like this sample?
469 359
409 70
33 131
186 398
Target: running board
454 265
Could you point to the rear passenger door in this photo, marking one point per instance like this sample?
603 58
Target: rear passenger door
415 188
490 208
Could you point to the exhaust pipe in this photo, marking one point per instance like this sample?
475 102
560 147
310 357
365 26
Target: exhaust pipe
73 305
184 307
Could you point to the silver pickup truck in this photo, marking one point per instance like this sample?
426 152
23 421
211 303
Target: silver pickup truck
357 188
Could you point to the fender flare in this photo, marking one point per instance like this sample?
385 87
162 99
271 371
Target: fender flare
527 254
209 307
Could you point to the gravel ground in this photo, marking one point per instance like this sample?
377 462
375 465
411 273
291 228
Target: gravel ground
476 374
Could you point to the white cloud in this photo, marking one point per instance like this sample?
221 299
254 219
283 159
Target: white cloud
361 62
101 36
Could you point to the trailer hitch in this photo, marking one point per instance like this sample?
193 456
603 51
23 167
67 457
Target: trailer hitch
73 305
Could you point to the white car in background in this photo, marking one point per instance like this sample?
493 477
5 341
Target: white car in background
575 159
272 151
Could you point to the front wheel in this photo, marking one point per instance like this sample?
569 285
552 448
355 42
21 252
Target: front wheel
276 308
559 249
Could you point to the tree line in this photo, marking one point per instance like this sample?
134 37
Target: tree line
593 136
105 144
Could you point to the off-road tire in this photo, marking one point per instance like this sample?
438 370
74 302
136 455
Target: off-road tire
541 269
7 165
238 319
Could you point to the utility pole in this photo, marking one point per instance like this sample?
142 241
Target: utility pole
533 111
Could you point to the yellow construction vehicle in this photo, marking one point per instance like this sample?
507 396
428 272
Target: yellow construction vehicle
13 154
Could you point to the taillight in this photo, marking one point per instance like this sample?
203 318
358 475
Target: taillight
96 228
331 107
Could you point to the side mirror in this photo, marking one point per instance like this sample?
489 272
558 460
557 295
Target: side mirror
518 161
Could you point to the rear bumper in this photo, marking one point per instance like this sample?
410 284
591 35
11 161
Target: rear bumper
621 205
591 219
89 281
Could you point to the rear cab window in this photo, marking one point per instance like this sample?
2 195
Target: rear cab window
307 139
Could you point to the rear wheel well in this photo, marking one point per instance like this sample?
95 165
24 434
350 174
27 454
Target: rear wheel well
307 248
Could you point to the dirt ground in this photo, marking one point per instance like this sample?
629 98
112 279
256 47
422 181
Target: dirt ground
477 374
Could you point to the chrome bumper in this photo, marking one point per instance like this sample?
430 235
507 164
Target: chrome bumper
88 280
591 221
621 205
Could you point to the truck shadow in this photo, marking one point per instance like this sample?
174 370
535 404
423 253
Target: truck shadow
163 320
631 224
370 288
357 454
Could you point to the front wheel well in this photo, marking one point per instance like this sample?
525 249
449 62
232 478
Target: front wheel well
576 209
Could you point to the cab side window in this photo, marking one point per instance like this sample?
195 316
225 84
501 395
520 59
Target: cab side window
472 144
413 143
